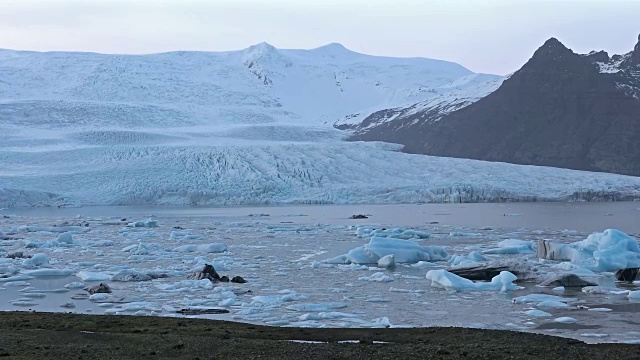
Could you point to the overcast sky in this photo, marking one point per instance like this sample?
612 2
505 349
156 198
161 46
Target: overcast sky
493 36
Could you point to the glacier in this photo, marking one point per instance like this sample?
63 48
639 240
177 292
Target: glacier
246 127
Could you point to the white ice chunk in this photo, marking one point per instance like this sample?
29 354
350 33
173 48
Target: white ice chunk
145 223
552 304
36 260
387 262
74 285
610 250
565 320
65 238
404 251
50 272
99 297
378 277
635 295
534 298
444 279
513 246
204 248
92 276
537 313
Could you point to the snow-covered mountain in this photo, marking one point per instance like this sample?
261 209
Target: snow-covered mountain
258 85
246 127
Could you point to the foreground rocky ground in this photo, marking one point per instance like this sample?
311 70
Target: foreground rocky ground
70 336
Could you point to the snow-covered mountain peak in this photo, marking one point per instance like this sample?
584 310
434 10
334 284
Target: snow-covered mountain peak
265 62
333 49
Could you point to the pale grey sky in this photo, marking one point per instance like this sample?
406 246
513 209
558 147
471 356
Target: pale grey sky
493 36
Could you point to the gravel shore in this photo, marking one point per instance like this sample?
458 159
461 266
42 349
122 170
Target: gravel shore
71 336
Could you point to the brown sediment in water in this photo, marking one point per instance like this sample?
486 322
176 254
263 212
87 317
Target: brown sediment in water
73 336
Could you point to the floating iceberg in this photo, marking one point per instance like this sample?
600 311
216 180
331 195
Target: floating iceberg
444 279
610 250
404 251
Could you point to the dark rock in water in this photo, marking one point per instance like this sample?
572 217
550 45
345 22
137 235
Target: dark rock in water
481 273
79 297
628 275
197 311
238 280
567 280
359 216
224 279
208 272
18 255
100 288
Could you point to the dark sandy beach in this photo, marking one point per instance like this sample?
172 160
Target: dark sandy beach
70 336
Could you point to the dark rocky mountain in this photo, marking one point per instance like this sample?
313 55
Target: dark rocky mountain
560 109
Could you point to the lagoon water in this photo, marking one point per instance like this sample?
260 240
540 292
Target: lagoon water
280 251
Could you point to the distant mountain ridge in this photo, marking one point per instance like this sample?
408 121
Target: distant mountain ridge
560 109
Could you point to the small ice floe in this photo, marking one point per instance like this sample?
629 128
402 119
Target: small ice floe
387 262
68 305
405 251
558 289
472 260
129 275
536 298
34 295
634 295
50 272
203 248
513 246
74 285
396 233
600 309
23 302
16 283
594 335
143 223
537 313
36 260
99 297
444 279
65 238
182 235
15 278
552 304
377 277
603 290
142 248
423 264
565 320
92 276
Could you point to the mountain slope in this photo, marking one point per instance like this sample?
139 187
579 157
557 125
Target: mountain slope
257 85
560 109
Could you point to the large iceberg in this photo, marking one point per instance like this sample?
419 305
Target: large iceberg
610 250
404 251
